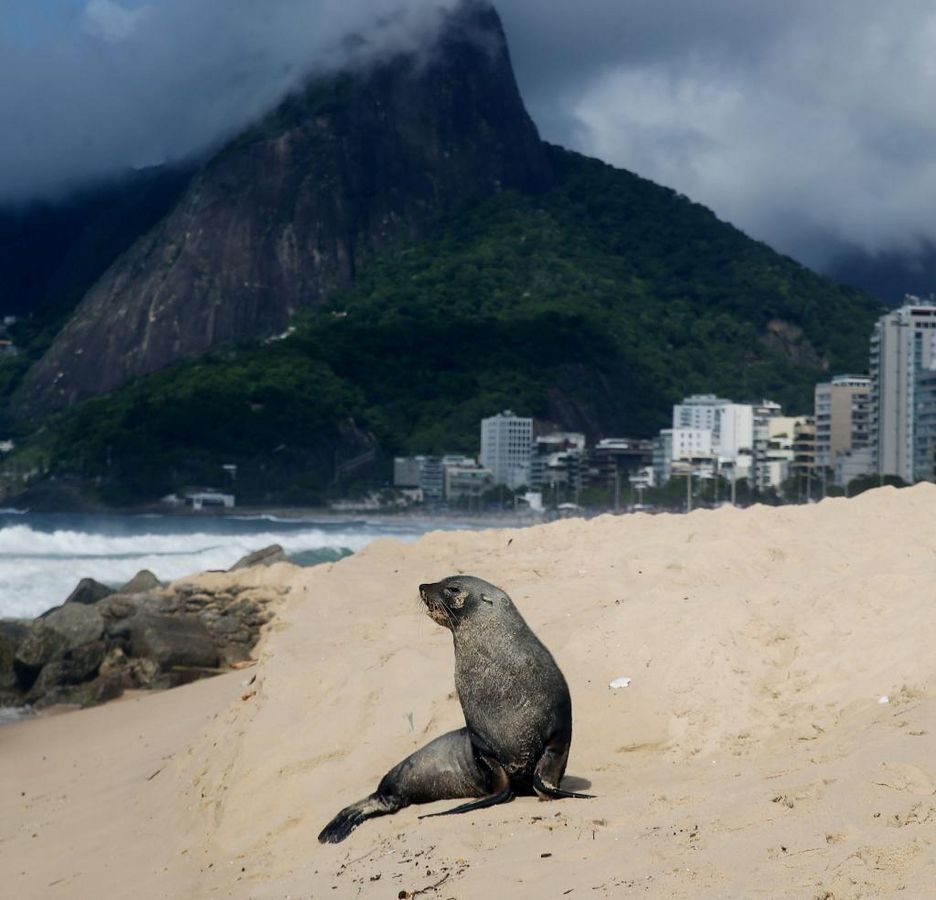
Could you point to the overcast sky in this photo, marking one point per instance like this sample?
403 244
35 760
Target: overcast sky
811 124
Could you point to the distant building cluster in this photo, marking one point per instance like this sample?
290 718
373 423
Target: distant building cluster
882 423
515 455
716 437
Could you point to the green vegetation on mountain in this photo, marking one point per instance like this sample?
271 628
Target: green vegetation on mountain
595 305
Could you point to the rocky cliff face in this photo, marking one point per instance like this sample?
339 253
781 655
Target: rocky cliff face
289 212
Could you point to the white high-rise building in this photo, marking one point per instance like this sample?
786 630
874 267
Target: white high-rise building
507 448
699 411
903 344
734 433
731 424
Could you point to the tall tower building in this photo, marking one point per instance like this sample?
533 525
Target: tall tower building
842 418
903 344
507 448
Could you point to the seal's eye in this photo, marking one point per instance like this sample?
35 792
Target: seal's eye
451 590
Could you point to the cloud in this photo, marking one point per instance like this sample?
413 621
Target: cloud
111 21
807 124
131 84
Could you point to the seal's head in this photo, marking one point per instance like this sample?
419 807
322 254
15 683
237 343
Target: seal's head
454 599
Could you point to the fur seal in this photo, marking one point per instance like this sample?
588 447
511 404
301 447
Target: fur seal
518 715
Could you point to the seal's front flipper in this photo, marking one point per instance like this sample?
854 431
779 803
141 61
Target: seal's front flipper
546 792
549 771
352 816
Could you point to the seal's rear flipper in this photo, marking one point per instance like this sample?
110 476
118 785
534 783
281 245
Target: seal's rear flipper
502 796
501 787
352 816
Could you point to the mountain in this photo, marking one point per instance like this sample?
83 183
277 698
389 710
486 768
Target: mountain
434 262
293 209
595 305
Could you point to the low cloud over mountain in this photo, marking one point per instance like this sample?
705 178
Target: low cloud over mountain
806 124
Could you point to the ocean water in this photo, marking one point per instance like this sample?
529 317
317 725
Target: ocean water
43 556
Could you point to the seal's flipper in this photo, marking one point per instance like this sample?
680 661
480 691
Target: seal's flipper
549 771
445 769
545 792
502 796
500 787
352 816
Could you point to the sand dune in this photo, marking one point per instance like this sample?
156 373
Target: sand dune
750 756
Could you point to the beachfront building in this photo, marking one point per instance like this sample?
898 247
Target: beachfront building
423 472
465 480
767 464
731 424
924 434
684 448
903 343
842 411
438 478
507 448
852 464
700 411
734 431
618 458
559 460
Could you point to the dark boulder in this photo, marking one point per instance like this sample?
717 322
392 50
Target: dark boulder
73 667
172 641
89 591
77 624
141 583
9 641
265 557
64 630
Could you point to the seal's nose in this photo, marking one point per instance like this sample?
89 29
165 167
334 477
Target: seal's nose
423 588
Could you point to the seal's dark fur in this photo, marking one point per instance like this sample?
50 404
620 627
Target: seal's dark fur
518 715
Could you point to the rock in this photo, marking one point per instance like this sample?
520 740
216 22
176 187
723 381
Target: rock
89 591
8 645
77 624
73 667
38 648
121 606
172 641
107 686
142 582
143 673
226 625
62 631
265 557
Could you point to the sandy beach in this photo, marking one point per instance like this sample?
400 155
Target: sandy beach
777 737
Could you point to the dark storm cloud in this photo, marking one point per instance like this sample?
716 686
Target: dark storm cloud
807 124
135 84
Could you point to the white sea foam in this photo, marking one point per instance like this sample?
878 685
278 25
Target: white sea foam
39 568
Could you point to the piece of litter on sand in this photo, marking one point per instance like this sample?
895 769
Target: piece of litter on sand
620 683
884 699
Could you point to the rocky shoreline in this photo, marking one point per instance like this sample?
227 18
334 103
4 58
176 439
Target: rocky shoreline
143 635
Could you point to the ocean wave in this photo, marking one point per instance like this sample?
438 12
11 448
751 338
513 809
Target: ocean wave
24 541
39 568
